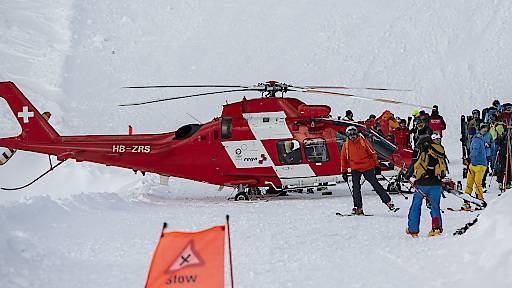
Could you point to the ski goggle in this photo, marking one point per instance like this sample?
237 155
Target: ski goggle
351 133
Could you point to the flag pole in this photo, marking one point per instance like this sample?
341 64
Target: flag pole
163 229
154 253
230 255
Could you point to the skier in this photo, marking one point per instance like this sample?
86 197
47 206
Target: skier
487 112
370 122
349 116
387 122
502 167
429 170
421 132
424 116
489 150
436 121
478 158
497 128
359 158
473 125
402 135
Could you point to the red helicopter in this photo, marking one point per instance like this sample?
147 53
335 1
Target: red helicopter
271 144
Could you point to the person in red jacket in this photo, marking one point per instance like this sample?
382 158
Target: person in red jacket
436 121
402 135
358 158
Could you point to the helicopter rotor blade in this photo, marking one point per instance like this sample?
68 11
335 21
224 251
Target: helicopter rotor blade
356 88
383 100
188 96
185 86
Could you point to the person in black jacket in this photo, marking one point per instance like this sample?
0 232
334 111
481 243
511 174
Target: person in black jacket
503 141
421 132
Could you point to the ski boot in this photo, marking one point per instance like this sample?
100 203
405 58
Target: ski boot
509 186
413 234
435 232
357 211
466 206
501 187
392 207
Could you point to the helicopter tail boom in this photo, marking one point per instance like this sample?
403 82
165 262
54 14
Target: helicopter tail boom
34 125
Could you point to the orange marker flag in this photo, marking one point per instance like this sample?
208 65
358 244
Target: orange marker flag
189 259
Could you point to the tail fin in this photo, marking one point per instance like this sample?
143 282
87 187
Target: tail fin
34 126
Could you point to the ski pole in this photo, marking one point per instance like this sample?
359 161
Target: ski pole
507 167
350 189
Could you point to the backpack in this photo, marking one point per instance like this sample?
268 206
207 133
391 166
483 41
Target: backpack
432 163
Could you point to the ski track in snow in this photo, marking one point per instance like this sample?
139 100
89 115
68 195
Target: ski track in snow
91 226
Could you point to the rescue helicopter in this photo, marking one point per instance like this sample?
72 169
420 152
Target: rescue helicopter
261 146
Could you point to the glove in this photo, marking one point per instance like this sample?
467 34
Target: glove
344 175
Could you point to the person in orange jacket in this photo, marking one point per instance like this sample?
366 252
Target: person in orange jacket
358 157
387 122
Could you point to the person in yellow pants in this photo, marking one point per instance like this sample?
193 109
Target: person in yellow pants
475 177
478 158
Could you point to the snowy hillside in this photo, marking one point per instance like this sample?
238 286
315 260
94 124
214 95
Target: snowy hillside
87 225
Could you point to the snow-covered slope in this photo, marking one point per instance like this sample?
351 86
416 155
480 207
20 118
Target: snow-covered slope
72 57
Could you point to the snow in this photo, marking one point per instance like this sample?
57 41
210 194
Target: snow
86 225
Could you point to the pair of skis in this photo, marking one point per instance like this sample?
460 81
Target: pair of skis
464 196
349 215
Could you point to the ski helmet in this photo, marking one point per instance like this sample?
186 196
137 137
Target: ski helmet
435 136
415 113
475 111
484 125
351 131
496 103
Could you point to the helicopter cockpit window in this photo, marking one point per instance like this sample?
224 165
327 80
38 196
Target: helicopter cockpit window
226 126
340 139
316 150
289 152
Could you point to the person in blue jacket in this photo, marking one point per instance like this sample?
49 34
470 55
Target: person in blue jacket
478 164
489 146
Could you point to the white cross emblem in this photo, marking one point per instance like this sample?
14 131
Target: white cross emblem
25 114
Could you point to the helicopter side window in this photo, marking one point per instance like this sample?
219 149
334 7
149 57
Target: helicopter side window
226 127
340 140
316 150
289 152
